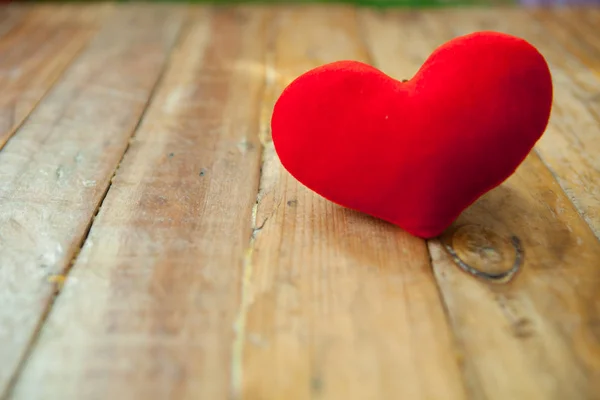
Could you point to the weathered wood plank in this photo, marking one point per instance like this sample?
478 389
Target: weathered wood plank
572 147
55 171
9 17
336 305
33 54
71 13
535 337
148 308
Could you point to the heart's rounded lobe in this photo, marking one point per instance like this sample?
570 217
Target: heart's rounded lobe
416 153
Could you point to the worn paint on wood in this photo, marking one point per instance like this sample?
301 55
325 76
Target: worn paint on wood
149 307
517 335
56 168
337 305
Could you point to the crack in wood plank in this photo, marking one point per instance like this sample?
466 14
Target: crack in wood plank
553 234
570 146
149 268
247 268
331 288
34 58
332 303
60 279
17 192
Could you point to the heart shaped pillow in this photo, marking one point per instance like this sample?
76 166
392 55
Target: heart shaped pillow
416 153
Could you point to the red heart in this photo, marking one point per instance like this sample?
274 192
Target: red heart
416 153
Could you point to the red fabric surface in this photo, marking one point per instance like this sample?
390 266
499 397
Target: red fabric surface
416 153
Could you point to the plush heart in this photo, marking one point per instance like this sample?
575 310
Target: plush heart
416 153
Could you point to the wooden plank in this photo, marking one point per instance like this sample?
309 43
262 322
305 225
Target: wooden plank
536 336
80 14
336 305
572 147
147 311
56 170
572 30
33 55
9 17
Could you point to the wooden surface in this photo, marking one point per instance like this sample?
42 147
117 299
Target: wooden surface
152 246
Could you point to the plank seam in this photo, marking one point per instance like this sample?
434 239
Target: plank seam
455 339
581 39
47 310
60 75
580 211
470 372
237 353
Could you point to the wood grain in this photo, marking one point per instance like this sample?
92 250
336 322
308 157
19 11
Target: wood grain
572 147
148 309
336 305
88 14
56 169
33 54
190 285
9 17
535 337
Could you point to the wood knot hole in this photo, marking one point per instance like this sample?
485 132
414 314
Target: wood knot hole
483 253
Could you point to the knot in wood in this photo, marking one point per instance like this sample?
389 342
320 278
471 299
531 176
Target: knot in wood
484 253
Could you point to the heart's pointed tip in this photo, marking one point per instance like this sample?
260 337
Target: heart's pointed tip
429 233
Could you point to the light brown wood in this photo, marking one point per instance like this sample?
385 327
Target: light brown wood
149 307
336 305
9 17
534 337
55 170
203 279
33 54
537 337
88 14
572 147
